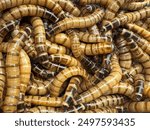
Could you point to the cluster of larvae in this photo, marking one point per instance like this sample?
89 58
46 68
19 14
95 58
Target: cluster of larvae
69 56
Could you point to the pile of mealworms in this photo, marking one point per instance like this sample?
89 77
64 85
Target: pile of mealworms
67 56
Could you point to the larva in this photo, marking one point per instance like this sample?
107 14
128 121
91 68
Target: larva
2 77
126 18
142 57
141 107
104 101
121 88
92 38
25 71
104 86
77 22
139 82
13 71
44 101
63 76
27 10
50 4
97 48
44 109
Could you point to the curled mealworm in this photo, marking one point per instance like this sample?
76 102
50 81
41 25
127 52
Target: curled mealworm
104 86
63 76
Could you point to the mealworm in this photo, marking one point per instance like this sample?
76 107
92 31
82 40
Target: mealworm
69 7
102 110
13 71
139 86
44 101
53 48
50 4
64 60
27 10
142 43
142 57
97 48
104 101
141 107
126 18
38 88
40 40
139 30
71 91
61 39
25 71
2 76
135 5
7 27
64 75
91 38
104 86
77 22
125 58
44 109
121 88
